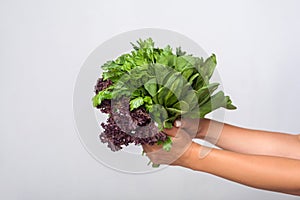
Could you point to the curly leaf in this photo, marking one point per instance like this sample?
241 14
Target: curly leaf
135 103
105 94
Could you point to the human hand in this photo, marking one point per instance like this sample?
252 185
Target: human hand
181 150
205 129
196 127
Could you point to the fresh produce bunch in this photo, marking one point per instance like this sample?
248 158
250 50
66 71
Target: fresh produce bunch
146 90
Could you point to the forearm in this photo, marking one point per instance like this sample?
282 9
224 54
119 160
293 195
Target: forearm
251 141
263 172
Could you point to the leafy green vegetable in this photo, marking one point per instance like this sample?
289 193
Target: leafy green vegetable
105 94
167 145
135 103
168 85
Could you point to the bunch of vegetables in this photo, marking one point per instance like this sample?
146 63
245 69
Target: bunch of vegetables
146 90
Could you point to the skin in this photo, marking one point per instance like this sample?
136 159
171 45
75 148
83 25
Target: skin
259 159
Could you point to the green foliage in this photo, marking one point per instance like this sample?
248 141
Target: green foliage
168 85
97 99
166 145
137 102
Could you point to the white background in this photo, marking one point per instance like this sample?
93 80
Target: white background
43 45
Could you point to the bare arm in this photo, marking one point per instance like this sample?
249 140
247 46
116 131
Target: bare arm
263 172
247 141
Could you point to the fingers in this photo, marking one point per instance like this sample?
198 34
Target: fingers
187 126
146 148
171 131
151 148
178 132
180 143
186 123
178 123
192 126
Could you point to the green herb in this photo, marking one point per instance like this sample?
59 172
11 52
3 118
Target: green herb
168 85
167 144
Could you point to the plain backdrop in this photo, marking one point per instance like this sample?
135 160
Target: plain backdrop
43 45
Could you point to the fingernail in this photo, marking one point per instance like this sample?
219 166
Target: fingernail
178 123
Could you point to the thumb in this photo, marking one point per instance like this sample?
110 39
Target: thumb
190 125
186 123
178 123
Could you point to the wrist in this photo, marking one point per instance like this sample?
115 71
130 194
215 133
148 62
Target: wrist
202 128
189 157
199 159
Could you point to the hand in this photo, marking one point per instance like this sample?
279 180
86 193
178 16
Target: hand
181 150
196 127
